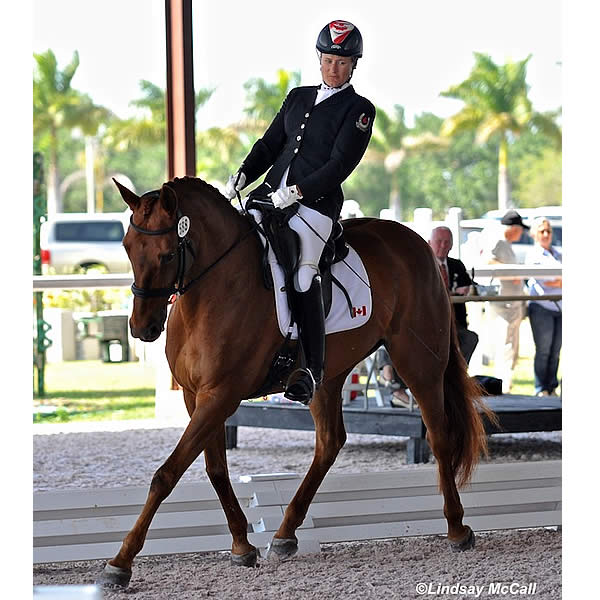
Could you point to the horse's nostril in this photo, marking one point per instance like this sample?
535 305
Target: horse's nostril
152 332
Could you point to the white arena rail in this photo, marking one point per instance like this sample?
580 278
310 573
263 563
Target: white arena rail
75 525
71 282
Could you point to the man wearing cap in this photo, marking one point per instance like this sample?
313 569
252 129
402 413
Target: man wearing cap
313 144
507 316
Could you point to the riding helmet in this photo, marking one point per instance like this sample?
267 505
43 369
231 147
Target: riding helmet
341 38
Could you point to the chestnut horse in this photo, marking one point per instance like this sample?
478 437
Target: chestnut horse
222 335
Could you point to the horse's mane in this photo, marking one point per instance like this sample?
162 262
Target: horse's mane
202 190
193 192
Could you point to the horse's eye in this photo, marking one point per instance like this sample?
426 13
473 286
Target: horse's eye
167 258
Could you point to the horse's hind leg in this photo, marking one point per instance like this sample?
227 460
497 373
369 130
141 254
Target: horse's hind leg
431 403
424 375
242 552
326 410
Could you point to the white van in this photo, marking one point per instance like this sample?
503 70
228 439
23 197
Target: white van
76 242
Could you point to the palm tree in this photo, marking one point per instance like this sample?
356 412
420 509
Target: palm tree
497 106
391 143
56 106
150 126
265 99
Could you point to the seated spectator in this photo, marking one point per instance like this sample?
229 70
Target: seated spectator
545 316
458 282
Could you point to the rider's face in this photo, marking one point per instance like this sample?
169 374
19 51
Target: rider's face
335 70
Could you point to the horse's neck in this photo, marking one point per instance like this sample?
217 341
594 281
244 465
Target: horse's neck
216 231
220 229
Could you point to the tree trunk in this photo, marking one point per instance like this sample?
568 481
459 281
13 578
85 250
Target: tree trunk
90 183
504 196
395 202
54 204
54 199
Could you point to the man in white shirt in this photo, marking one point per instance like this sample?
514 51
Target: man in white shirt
507 316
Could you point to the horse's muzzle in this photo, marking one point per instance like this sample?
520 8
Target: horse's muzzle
150 331
147 334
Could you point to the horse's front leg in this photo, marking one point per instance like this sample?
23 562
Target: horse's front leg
242 552
207 417
326 410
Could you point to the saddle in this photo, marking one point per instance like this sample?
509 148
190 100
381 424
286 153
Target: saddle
285 243
286 246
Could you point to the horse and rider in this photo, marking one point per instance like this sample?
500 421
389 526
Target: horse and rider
222 333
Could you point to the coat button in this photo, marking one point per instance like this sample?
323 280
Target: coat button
295 150
302 126
298 138
306 115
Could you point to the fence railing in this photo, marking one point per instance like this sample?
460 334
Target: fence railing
73 525
112 280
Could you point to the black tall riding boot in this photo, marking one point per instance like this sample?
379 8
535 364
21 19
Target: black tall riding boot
303 382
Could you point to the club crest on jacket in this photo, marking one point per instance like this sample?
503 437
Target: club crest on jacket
363 122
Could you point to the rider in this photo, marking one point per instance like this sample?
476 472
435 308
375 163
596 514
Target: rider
313 144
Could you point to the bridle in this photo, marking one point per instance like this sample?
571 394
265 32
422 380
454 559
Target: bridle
182 225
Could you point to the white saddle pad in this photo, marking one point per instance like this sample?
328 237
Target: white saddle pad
351 273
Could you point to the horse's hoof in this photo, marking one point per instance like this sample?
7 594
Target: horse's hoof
114 577
282 548
466 543
245 560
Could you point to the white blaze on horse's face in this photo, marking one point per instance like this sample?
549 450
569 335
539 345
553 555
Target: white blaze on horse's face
335 70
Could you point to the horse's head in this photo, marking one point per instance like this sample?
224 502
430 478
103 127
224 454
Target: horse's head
151 243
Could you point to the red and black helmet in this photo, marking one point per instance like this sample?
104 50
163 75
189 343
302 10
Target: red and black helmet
341 38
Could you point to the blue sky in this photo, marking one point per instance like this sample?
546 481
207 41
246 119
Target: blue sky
413 50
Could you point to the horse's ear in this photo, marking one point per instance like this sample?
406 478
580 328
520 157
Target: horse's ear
130 198
168 199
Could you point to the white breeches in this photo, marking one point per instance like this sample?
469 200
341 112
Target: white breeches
311 244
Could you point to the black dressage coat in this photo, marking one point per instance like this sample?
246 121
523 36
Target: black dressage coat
458 276
321 144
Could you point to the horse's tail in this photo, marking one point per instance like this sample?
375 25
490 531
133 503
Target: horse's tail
464 408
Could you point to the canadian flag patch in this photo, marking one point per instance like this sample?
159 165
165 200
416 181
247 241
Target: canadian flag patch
360 311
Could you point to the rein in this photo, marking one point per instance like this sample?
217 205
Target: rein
178 288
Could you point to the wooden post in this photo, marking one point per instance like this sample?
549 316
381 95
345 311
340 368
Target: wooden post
181 103
181 143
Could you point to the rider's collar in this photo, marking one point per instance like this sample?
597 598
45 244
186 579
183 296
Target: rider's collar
325 87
